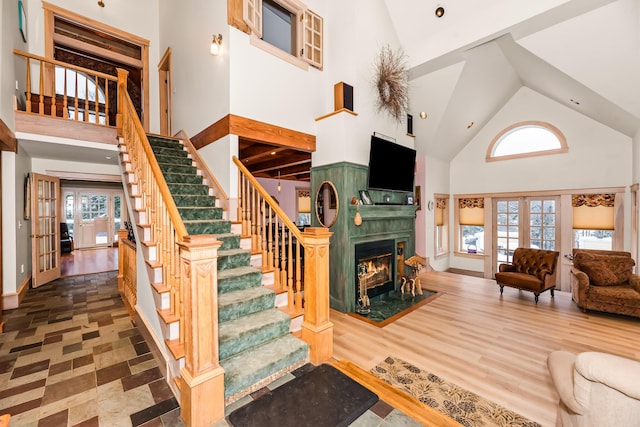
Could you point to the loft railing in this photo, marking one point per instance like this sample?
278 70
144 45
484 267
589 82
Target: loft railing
298 259
58 89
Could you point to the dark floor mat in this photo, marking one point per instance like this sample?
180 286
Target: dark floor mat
324 397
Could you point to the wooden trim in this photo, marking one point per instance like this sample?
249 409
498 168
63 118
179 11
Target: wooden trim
165 84
255 130
8 141
341 110
83 176
561 138
106 53
543 193
254 40
234 16
64 128
12 300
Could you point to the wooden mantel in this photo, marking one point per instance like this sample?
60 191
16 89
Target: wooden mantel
255 130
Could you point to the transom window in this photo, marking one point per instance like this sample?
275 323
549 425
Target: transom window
524 139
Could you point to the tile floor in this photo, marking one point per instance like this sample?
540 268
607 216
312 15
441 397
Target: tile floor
70 356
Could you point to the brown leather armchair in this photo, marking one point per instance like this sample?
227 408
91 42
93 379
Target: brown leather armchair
604 281
532 270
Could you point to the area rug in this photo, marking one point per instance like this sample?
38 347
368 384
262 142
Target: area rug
392 306
323 397
463 406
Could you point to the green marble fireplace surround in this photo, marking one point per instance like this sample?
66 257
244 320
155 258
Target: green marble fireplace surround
379 222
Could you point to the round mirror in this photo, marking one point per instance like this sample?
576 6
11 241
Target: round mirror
327 204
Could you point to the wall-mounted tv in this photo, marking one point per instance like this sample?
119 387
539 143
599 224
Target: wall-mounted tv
391 166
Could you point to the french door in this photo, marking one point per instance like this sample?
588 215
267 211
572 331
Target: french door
94 216
525 222
45 229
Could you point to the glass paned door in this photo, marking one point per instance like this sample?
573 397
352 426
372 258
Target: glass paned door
507 237
94 220
45 230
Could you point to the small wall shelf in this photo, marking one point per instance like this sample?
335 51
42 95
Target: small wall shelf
342 110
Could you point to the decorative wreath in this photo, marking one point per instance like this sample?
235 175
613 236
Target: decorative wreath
392 82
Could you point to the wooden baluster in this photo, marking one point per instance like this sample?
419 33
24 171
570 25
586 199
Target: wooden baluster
283 258
54 104
65 106
97 103
86 98
290 289
75 96
41 103
106 102
270 240
277 254
28 83
298 302
252 220
263 229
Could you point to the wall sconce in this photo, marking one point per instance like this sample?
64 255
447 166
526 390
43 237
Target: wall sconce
279 186
216 45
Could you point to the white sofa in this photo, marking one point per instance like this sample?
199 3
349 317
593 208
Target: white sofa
596 389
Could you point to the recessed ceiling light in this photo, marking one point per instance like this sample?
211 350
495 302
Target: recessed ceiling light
469 125
439 11
273 153
574 101
423 115
108 157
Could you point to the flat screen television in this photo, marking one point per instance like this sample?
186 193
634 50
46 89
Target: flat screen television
391 166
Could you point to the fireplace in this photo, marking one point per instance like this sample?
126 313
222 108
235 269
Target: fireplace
374 263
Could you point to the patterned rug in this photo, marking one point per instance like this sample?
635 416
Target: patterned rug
463 406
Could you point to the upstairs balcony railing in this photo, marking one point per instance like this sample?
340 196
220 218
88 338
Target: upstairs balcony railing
58 89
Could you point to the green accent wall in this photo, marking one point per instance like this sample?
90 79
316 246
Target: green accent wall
379 222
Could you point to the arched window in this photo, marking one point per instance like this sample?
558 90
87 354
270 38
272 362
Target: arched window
525 139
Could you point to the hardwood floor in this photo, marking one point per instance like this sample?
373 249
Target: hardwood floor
494 346
88 261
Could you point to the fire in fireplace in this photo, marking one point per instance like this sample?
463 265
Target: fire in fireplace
374 267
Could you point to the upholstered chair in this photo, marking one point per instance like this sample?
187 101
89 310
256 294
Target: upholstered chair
531 270
604 281
596 389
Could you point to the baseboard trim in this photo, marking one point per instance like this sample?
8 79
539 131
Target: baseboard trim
12 300
158 350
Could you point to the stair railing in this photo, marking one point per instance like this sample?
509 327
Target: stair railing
189 271
209 177
67 91
299 260
127 271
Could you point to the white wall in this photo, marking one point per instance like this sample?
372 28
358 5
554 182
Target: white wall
218 157
200 81
138 17
39 165
436 181
16 244
598 157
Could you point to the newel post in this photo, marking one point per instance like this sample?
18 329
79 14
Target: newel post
317 330
202 390
123 75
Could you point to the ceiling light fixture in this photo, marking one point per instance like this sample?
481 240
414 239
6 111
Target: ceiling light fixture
423 115
574 101
216 45
279 186
439 11
100 3
469 125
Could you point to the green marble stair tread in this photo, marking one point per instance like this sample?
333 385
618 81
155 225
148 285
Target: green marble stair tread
171 168
159 143
193 212
174 160
232 258
247 368
210 226
238 278
251 330
194 201
186 178
232 305
229 240
188 189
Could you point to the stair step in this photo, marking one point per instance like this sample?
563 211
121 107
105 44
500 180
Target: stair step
188 189
172 168
253 366
232 305
251 330
193 212
176 178
195 201
174 160
211 226
161 141
238 278
232 258
229 240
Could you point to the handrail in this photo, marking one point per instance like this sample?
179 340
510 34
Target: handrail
217 188
272 203
65 65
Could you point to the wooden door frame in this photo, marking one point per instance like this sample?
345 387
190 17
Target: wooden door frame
164 79
51 11
41 278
